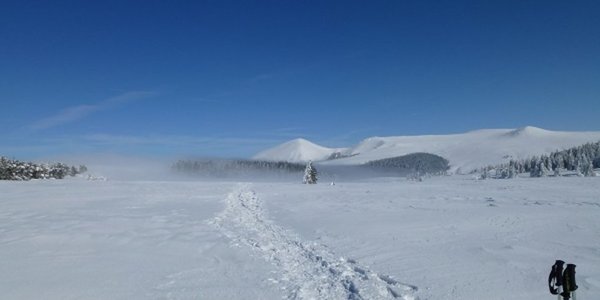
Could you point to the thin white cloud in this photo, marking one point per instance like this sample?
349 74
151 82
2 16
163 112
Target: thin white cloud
138 145
75 113
173 140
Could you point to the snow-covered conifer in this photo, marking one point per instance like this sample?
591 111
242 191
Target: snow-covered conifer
18 170
543 169
587 169
310 174
512 172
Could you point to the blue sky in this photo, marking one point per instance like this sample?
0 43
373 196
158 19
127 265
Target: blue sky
230 78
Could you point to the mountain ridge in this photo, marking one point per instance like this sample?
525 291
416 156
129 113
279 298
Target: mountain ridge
465 151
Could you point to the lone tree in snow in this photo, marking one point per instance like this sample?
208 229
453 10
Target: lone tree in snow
310 174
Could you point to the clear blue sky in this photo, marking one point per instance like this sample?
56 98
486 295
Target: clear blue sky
230 78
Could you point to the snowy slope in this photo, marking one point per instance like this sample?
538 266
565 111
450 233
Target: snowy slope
472 149
465 151
298 150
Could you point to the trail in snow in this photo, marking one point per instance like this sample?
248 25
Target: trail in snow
309 270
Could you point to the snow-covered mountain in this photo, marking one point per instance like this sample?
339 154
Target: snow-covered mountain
298 150
465 151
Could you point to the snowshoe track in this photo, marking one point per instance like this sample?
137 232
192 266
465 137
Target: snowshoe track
308 270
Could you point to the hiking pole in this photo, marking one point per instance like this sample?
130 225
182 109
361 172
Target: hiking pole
555 279
569 284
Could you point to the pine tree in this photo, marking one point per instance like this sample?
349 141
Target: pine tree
512 171
544 171
310 174
534 171
484 173
73 171
587 169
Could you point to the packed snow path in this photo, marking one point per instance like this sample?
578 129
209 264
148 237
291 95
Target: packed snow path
308 270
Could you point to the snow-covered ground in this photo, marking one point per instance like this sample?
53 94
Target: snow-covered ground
443 238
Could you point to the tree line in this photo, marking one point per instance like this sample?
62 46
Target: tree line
11 169
230 167
580 161
419 163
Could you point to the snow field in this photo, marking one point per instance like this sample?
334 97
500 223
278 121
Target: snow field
452 237
309 270
73 239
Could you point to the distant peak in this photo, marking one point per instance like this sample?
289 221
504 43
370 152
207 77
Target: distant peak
530 128
300 140
296 150
527 130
